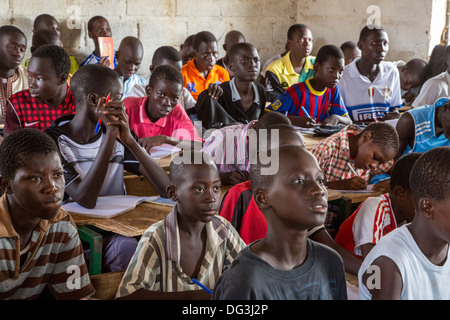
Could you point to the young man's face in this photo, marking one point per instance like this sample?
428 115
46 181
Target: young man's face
351 54
375 47
128 61
44 84
206 56
51 24
370 155
246 64
198 192
187 53
329 73
163 98
444 119
38 186
301 43
100 28
298 196
441 215
408 79
12 50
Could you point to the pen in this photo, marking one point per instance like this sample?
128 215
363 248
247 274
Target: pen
99 123
351 168
239 170
307 114
202 286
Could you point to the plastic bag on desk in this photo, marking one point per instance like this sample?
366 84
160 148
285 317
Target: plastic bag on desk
325 131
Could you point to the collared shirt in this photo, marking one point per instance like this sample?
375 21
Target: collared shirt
364 99
16 83
156 266
93 59
333 155
280 75
373 219
132 81
228 147
196 83
433 89
186 99
176 124
23 111
318 104
54 253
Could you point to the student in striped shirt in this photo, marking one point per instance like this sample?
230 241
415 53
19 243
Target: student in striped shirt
318 95
39 243
192 242
377 216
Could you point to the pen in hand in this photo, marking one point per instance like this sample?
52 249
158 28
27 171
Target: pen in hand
308 116
99 123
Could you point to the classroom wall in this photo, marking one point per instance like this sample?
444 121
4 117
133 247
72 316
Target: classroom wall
414 26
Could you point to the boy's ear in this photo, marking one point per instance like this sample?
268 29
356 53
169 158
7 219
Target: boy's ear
260 197
359 45
151 68
366 136
5 185
148 90
426 208
92 99
399 192
316 67
62 78
172 192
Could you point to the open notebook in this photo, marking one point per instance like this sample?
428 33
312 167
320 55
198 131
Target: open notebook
108 206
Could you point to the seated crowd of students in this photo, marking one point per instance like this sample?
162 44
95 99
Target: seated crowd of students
71 130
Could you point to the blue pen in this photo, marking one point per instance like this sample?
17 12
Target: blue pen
202 286
307 114
99 123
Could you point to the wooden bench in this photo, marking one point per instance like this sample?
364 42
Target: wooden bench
106 284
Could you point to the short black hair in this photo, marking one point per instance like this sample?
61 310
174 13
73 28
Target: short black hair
420 67
10 29
348 45
59 57
189 41
284 131
383 134
430 175
203 36
92 21
368 30
271 118
294 28
20 145
193 157
238 46
327 51
43 37
92 78
165 52
165 72
402 169
43 17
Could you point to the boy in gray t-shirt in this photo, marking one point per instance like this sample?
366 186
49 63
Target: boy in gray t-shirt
285 264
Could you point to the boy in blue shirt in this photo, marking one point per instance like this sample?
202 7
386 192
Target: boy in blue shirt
318 95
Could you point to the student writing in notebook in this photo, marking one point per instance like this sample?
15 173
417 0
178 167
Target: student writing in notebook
94 162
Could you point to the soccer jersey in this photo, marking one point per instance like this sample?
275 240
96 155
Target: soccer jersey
365 100
425 135
53 255
156 264
196 83
318 104
280 75
23 111
373 219
176 124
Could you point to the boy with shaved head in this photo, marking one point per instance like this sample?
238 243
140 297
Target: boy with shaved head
129 59
192 242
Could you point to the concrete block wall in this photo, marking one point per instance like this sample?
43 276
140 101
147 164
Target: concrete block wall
414 26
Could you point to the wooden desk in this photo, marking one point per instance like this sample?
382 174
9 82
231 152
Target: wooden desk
131 223
310 140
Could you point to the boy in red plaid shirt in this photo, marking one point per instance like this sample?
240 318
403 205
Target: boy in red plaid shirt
48 96
365 152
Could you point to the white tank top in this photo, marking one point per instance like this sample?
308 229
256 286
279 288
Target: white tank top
422 280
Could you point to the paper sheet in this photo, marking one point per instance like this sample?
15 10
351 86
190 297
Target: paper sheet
108 206
162 151
369 189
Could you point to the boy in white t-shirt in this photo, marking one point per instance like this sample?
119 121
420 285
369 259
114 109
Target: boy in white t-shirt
377 216
369 86
411 262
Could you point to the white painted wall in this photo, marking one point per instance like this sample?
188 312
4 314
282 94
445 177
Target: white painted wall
413 26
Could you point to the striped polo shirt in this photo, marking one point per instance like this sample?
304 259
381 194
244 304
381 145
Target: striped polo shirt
318 104
156 266
228 147
54 257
